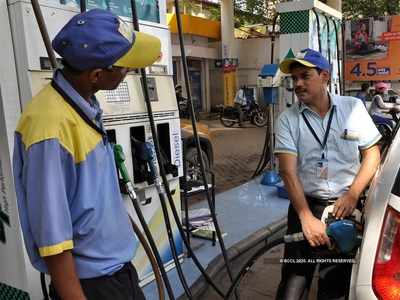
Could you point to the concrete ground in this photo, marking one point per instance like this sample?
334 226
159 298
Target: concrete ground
237 152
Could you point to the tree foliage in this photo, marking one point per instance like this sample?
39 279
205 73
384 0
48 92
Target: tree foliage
248 12
355 9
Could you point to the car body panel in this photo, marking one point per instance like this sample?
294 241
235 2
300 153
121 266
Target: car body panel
377 202
205 137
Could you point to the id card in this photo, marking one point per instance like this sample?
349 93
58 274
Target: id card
321 170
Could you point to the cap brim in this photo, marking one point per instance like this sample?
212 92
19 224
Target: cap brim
284 66
144 52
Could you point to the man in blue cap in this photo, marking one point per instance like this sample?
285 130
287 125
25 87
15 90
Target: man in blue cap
72 216
318 144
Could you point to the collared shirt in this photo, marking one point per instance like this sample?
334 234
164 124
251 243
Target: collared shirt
67 186
352 130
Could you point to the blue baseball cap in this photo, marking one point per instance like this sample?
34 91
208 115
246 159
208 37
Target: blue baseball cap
99 39
308 58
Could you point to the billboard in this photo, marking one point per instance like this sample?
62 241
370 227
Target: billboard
372 48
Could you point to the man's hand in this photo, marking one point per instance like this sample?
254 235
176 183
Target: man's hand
344 206
314 231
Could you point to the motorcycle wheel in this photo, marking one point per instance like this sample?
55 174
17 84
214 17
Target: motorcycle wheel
225 121
260 118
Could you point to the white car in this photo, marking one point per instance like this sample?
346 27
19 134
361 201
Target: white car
376 273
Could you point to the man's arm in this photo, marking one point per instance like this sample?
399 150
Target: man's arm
346 204
385 106
313 228
64 277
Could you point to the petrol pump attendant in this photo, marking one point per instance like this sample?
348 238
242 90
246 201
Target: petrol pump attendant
318 144
72 216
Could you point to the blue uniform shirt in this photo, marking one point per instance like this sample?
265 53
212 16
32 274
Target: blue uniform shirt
352 130
67 186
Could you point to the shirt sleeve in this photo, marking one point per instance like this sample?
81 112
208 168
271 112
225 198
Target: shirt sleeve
369 135
284 136
49 175
382 104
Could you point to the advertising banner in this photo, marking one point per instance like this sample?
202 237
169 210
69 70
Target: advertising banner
373 49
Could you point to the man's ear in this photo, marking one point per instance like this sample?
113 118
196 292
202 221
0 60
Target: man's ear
94 75
326 76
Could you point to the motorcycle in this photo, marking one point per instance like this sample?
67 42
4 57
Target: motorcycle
387 127
238 114
184 108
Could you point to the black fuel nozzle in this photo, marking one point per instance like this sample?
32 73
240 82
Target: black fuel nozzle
143 154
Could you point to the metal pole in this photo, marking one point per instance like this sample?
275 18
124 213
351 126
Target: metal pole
45 35
83 5
273 38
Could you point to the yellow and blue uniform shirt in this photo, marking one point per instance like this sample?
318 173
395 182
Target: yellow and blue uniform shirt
67 185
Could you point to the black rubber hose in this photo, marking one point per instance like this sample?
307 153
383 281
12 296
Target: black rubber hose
250 263
262 157
318 29
328 39
338 58
196 136
43 286
161 166
342 29
152 259
153 246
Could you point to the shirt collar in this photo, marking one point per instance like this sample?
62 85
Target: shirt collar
303 106
91 110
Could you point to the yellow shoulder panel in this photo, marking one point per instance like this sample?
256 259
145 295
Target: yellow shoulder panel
48 116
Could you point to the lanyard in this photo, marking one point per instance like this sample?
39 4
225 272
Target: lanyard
328 128
78 110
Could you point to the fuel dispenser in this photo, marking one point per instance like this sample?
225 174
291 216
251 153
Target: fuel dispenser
269 81
126 122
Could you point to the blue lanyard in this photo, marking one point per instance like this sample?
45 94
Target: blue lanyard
328 128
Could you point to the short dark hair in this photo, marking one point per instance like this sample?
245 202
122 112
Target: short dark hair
67 67
365 86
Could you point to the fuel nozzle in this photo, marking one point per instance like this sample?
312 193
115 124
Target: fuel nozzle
119 157
144 154
120 160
